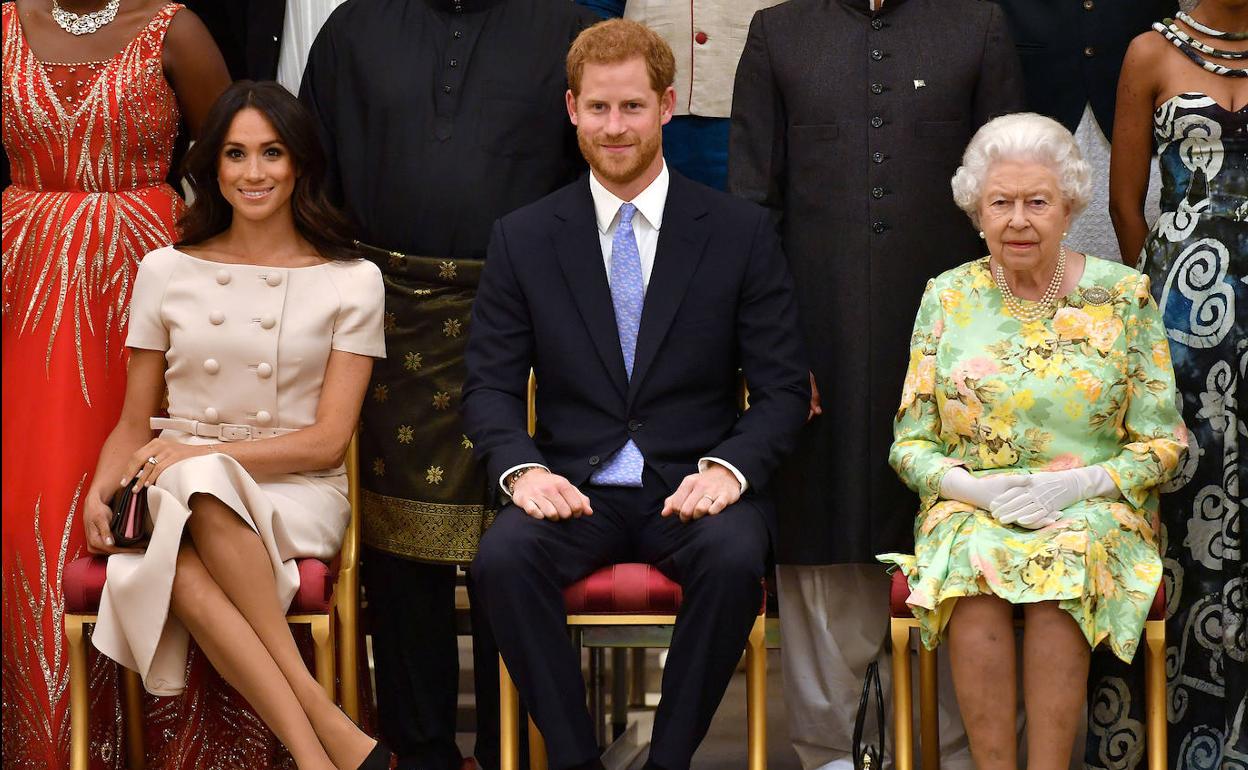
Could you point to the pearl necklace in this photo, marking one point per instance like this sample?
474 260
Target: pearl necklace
1024 310
84 23
1187 19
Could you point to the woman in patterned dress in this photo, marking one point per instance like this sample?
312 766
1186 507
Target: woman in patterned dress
89 122
1184 91
1036 423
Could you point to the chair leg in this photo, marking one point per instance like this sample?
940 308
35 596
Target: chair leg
537 748
929 710
903 728
508 720
348 656
323 644
79 703
756 695
1155 692
133 687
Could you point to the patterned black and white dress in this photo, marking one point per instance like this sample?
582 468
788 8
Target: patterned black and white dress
1195 256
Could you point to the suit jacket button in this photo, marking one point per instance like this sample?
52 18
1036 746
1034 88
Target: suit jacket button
877 192
877 24
878 228
595 460
634 426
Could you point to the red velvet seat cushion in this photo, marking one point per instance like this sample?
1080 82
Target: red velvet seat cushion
83 584
623 589
899 591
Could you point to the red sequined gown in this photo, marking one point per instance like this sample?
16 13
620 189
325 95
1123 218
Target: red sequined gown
89 146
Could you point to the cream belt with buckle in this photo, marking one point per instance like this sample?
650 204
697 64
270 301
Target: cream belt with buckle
222 431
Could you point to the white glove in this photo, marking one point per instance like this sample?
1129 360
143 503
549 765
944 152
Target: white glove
1042 499
958 484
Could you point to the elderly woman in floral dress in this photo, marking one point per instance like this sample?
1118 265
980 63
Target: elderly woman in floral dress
1036 422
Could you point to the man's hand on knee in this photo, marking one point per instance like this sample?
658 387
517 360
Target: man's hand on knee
546 495
705 492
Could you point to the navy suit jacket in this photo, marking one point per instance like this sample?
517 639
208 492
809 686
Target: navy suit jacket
720 300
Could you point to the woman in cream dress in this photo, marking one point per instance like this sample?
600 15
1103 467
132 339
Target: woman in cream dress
262 326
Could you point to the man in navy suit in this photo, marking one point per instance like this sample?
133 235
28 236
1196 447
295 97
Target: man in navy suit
636 296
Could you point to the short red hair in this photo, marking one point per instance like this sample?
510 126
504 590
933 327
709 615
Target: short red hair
618 40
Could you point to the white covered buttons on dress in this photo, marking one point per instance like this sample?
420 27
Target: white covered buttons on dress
211 366
223 276
268 322
211 415
273 279
264 371
216 317
263 417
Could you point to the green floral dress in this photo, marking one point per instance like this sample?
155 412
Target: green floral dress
1091 386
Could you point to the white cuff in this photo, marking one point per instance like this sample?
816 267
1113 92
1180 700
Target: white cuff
513 469
702 463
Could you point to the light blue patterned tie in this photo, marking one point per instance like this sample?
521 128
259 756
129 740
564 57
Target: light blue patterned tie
627 294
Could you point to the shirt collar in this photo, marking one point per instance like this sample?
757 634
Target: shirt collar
649 202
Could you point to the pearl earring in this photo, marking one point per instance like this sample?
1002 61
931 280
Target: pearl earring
981 235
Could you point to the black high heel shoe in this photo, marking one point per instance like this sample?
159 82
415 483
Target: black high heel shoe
379 758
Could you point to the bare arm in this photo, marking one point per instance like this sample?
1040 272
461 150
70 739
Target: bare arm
145 389
194 67
1132 147
124 456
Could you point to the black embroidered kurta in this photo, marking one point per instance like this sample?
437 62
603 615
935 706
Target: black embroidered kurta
849 125
439 117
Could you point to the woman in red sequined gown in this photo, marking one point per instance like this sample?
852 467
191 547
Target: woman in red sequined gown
88 125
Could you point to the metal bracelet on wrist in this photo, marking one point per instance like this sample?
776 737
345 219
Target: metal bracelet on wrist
514 476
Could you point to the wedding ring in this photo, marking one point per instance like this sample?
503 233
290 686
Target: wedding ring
708 497
153 460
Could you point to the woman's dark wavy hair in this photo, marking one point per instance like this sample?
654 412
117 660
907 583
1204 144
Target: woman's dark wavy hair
317 219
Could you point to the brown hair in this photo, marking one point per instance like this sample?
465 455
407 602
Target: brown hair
317 219
618 40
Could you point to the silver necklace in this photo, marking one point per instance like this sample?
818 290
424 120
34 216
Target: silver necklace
1025 311
84 23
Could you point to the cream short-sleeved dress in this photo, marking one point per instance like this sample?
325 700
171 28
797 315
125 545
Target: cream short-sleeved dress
245 345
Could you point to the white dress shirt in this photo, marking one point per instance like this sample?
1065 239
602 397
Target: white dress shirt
646 225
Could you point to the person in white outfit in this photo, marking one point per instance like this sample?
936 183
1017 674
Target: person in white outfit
261 325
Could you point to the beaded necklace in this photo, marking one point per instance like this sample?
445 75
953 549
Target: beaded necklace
1172 33
1205 48
1025 311
1204 29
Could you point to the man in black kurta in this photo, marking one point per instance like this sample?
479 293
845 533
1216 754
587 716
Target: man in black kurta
848 121
439 116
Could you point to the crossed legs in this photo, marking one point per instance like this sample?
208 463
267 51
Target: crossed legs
225 593
1055 673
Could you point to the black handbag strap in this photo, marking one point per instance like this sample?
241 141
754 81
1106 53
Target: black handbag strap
876 752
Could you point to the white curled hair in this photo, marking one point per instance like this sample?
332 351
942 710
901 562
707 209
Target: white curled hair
1023 136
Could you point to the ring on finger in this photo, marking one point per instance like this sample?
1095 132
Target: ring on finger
708 497
152 460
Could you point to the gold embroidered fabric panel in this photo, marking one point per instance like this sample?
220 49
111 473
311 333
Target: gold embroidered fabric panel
425 496
433 532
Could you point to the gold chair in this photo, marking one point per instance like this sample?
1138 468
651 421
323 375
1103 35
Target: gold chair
665 595
903 621
333 621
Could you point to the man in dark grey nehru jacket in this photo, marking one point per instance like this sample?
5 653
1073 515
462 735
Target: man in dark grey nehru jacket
848 120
